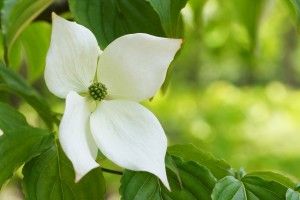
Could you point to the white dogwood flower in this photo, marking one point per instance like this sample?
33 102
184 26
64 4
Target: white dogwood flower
102 91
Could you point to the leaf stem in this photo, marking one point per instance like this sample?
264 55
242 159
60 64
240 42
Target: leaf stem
111 171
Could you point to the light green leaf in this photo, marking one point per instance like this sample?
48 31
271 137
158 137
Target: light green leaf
51 176
170 17
292 195
196 182
229 188
13 83
31 47
109 19
296 7
189 152
248 188
249 13
264 189
16 15
19 142
273 176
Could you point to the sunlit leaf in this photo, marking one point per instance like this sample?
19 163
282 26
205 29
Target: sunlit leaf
16 15
248 188
31 47
249 13
170 17
189 152
292 195
272 176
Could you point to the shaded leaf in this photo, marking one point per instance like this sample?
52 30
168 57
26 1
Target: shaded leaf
13 83
196 182
19 142
110 19
50 176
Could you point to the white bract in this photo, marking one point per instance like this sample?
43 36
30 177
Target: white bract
102 91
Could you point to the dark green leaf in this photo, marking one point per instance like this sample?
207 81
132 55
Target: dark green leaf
50 176
10 119
19 142
110 19
169 14
31 47
16 15
15 84
196 182
189 152
292 195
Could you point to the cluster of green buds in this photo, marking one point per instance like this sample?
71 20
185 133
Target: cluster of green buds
98 91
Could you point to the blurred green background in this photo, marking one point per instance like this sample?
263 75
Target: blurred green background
234 87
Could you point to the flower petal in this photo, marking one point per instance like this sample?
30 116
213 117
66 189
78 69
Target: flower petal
72 58
75 136
131 136
134 66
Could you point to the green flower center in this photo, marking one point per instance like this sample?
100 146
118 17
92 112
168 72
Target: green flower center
98 91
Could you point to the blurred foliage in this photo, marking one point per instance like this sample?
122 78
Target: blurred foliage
244 44
254 127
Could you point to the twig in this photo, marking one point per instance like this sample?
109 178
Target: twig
111 171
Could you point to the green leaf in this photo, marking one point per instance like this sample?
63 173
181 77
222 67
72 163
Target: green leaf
248 188
31 47
19 142
264 189
229 188
15 84
249 14
189 152
272 176
292 195
295 4
196 182
16 15
10 119
170 17
51 176
110 19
